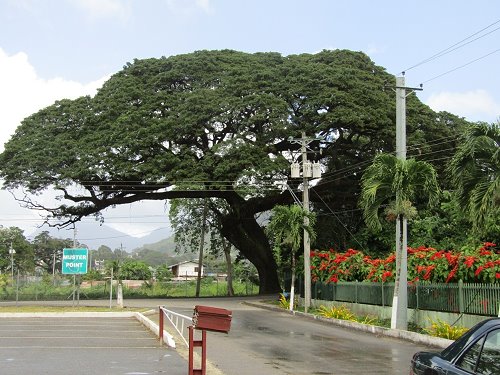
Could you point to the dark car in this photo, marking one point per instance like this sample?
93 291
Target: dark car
476 352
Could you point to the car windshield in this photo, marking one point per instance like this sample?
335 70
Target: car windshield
456 347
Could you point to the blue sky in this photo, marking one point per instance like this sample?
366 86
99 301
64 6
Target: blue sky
56 49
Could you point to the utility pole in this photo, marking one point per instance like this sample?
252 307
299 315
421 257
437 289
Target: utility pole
308 171
307 242
399 317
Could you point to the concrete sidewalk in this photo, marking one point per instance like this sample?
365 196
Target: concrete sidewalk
95 343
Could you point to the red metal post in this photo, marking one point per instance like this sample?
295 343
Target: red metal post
196 343
160 326
191 349
203 352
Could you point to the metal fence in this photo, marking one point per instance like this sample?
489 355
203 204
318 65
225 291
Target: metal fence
31 288
476 299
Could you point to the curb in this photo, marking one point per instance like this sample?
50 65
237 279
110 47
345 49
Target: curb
414 337
153 327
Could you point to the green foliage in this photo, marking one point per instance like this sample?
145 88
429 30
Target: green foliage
93 275
474 170
283 302
336 312
216 124
390 180
135 270
13 238
48 291
440 328
163 273
286 227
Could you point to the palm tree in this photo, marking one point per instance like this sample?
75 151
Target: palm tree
395 183
474 171
287 227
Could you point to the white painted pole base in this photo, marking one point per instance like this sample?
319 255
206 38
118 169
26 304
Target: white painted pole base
394 312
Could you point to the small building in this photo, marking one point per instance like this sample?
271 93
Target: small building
186 270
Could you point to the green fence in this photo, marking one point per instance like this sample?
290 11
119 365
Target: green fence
476 299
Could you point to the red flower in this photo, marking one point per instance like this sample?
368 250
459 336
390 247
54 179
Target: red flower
469 261
390 259
437 255
478 271
452 273
333 279
428 272
497 275
386 274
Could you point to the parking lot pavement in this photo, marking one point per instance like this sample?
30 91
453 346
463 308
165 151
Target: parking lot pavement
83 345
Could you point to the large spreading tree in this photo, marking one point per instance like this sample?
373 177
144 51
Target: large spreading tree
216 124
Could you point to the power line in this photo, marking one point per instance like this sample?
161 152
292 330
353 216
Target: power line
455 46
461 66
340 221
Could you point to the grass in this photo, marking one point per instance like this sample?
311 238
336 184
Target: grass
209 288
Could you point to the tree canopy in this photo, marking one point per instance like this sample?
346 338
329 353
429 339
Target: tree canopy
216 124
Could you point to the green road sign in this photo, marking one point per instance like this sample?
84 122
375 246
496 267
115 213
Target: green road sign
74 261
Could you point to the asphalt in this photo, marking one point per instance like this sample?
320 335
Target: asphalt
80 345
114 343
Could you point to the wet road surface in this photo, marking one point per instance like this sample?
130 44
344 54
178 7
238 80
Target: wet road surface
78 346
272 343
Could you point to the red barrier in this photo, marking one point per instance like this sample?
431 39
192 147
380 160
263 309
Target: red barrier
160 326
197 343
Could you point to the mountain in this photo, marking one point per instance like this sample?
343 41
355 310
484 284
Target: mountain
94 235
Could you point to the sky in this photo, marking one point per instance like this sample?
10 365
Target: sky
56 49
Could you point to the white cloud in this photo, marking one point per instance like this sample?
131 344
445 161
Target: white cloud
22 92
105 8
476 105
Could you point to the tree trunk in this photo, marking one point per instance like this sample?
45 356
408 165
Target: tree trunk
202 244
249 238
229 264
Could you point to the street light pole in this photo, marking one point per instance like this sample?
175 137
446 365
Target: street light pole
12 252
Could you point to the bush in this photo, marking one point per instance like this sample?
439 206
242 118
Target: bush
283 302
341 312
443 329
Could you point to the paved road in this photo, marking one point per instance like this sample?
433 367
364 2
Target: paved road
80 346
263 342
276 343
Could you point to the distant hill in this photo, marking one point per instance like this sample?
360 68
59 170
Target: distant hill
94 235
166 246
151 253
156 248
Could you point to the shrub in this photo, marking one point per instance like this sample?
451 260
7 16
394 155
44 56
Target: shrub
443 329
334 312
283 302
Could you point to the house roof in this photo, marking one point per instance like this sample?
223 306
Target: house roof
186 261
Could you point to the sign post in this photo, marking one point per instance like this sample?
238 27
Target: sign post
74 263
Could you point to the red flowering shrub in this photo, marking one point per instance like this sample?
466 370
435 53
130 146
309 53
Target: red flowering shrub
424 263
